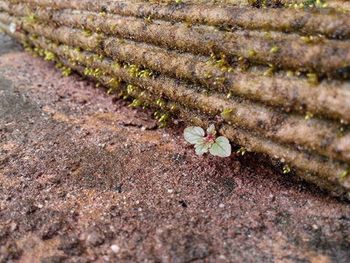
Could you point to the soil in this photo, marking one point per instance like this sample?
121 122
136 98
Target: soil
85 178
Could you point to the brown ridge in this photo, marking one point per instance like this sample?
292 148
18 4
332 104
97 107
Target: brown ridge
331 99
313 146
315 134
282 50
312 21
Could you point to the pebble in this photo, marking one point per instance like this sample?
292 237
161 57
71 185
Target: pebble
115 248
94 238
13 227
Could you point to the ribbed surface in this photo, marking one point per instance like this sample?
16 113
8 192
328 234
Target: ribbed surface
276 80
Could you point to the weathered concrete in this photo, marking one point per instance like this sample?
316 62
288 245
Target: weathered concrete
80 172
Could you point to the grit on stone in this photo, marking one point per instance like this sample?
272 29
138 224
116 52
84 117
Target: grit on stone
85 178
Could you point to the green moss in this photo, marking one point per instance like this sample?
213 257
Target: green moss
136 103
113 85
274 49
145 73
251 53
160 103
219 81
164 118
208 75
290 73
343 128
226 113
66 71
115 65
49 56
242 151
286 169
87 33
312 78
270 71
130 89
229 94
308 4
309 115
31 18
345 173
93 72
132 69
220 62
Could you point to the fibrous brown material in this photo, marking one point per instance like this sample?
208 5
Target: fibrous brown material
282 50
328 23
294 93
207 72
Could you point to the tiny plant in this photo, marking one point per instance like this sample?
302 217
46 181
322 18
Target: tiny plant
309 115
286 169
274 49
345 173
242 151
204 143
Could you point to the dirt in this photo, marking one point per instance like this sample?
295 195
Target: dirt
85 178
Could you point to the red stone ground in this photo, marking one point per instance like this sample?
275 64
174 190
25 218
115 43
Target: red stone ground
83 178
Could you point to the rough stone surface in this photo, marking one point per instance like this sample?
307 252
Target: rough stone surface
84 178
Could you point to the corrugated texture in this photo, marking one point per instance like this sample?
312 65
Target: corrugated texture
274 80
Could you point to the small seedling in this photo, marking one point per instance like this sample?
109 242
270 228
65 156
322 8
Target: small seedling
274 49
312 78
286 169
204 143
242 151
345 173
309 115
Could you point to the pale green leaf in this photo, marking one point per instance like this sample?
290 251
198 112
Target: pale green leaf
211 130
221 147
202 147
193 134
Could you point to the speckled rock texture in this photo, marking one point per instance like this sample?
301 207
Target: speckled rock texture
85 178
